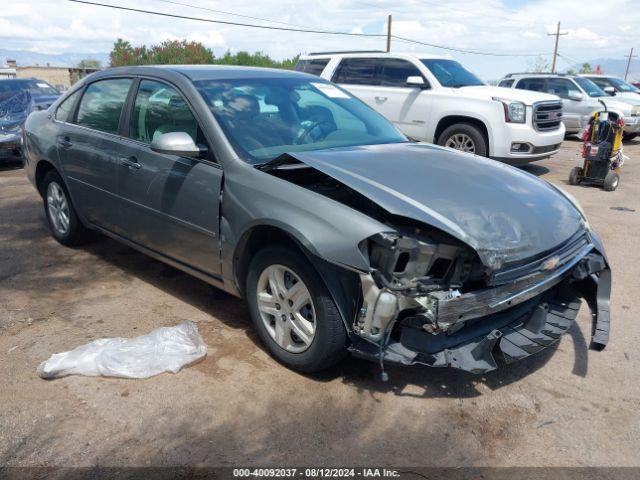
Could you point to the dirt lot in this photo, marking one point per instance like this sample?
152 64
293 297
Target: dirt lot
563 407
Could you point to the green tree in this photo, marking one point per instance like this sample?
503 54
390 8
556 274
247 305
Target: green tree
90 63
180 52
586 68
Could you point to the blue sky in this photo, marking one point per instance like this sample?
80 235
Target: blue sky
516 28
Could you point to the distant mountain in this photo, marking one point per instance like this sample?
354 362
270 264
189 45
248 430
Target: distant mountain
26 58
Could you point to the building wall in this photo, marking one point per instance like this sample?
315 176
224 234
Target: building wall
56 76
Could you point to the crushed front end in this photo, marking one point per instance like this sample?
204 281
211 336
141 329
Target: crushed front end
430 300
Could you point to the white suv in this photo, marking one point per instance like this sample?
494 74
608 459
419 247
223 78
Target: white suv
437 100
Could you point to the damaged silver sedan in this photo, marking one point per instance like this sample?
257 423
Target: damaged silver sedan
341 234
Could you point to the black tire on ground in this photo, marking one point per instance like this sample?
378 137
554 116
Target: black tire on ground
473 132
611 181
330 341
76 233
575 177
629 136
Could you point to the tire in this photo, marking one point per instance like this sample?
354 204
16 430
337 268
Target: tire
627 137
56 199
611 181
327 344
456 135
575 177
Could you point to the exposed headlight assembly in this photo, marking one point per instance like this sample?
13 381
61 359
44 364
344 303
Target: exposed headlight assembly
514 112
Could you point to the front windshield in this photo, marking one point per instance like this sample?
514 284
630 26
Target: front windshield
450 73
591 88
9 88
266 117
622 86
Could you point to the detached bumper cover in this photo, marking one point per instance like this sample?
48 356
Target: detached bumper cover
510 335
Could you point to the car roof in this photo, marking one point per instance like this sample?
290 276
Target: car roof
374 53
205 72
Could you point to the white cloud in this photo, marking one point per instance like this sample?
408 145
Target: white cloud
57 26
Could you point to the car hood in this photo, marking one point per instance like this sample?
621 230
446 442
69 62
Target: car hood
503 213
623 106
525 96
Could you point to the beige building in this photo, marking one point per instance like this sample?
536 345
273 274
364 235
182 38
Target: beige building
60 77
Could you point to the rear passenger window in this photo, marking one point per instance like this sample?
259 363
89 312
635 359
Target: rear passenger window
314 67
395 72
159 109
102 103
560 87
506 83
534 84
64 109
358 71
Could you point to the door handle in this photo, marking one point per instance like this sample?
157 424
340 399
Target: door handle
381 99
64 142
130 162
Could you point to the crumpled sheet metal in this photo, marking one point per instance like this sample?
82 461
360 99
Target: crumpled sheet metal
166 349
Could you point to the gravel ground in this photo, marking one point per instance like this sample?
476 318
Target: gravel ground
563 407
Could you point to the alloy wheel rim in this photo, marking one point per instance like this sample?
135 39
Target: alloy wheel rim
286 308
58 207
462 142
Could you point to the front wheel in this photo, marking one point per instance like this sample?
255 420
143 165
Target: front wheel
611 181
629 136
464 137
292 311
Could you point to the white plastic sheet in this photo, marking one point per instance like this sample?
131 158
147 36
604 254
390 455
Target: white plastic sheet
165 349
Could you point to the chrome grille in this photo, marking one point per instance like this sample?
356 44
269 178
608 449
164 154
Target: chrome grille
547 116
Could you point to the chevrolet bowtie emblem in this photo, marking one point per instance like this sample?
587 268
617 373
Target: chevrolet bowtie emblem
550 264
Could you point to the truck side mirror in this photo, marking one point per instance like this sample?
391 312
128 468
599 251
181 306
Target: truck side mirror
416 81
610 91
575 95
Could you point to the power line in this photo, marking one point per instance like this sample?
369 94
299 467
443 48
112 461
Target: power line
302 30
230 13
225 22
473 52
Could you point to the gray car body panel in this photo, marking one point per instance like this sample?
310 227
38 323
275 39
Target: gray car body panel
505 214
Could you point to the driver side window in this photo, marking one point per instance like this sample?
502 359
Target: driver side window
159 109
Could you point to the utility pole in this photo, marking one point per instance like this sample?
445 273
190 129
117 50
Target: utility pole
555 50
631 55
388 33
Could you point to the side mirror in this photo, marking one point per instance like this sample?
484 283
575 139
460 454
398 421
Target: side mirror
176 143
416 81
575 96
609 91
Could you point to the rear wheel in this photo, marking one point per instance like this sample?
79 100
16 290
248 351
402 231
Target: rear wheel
63 221
464 137
575 177
629 136
292 311
611 181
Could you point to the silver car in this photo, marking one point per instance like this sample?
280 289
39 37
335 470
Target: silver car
580 98
342 234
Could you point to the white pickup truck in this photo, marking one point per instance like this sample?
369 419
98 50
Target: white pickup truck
436 99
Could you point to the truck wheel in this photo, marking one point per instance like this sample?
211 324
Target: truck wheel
296 318
63 221
575 177
629 136
611 181
464 137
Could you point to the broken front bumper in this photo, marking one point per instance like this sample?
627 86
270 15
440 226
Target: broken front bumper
508 335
